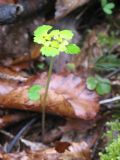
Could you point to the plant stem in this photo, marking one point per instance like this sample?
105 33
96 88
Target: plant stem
45 97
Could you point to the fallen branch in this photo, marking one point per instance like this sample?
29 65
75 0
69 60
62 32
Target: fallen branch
110 100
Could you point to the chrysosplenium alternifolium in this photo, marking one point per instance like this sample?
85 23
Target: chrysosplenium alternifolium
55 41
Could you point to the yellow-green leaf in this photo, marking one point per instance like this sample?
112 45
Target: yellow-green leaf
34 92
72 49
66 34
49 51
42 29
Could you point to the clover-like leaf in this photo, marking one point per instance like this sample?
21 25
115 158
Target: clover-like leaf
108 8
103 3
34 92
42 29
66 34
102 80
91 83
49 51
103 88
72 49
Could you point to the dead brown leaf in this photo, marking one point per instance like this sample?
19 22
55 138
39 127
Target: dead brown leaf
67 96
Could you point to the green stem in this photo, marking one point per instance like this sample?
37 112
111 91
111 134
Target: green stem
45 97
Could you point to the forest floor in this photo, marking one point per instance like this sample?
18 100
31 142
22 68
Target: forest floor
76 115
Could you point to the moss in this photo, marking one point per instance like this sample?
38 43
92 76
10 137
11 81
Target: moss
112 150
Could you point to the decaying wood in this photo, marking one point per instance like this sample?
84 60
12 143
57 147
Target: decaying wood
10 11
70 151
67 96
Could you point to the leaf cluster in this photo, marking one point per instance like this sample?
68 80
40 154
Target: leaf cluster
107 62
101 85
107 6
54 41
108 40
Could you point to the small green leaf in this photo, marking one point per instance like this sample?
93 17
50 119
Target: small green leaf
110 5
49 51
71 66
103 3
91 83
39 40
59 39
103 88
107 62
55 33
66 34
41 66
72 49
102 80
42 29
34 92
108 8
62 48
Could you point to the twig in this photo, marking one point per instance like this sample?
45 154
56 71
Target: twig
113 73
17 137
109 100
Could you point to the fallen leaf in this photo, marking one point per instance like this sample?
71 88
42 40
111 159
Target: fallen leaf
67 96
61 146
75 151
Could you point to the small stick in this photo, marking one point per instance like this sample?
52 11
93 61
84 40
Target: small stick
17 137
109 100
113 73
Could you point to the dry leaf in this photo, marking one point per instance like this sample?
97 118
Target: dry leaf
76 151
67 96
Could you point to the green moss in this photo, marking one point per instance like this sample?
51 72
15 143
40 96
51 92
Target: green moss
112 150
